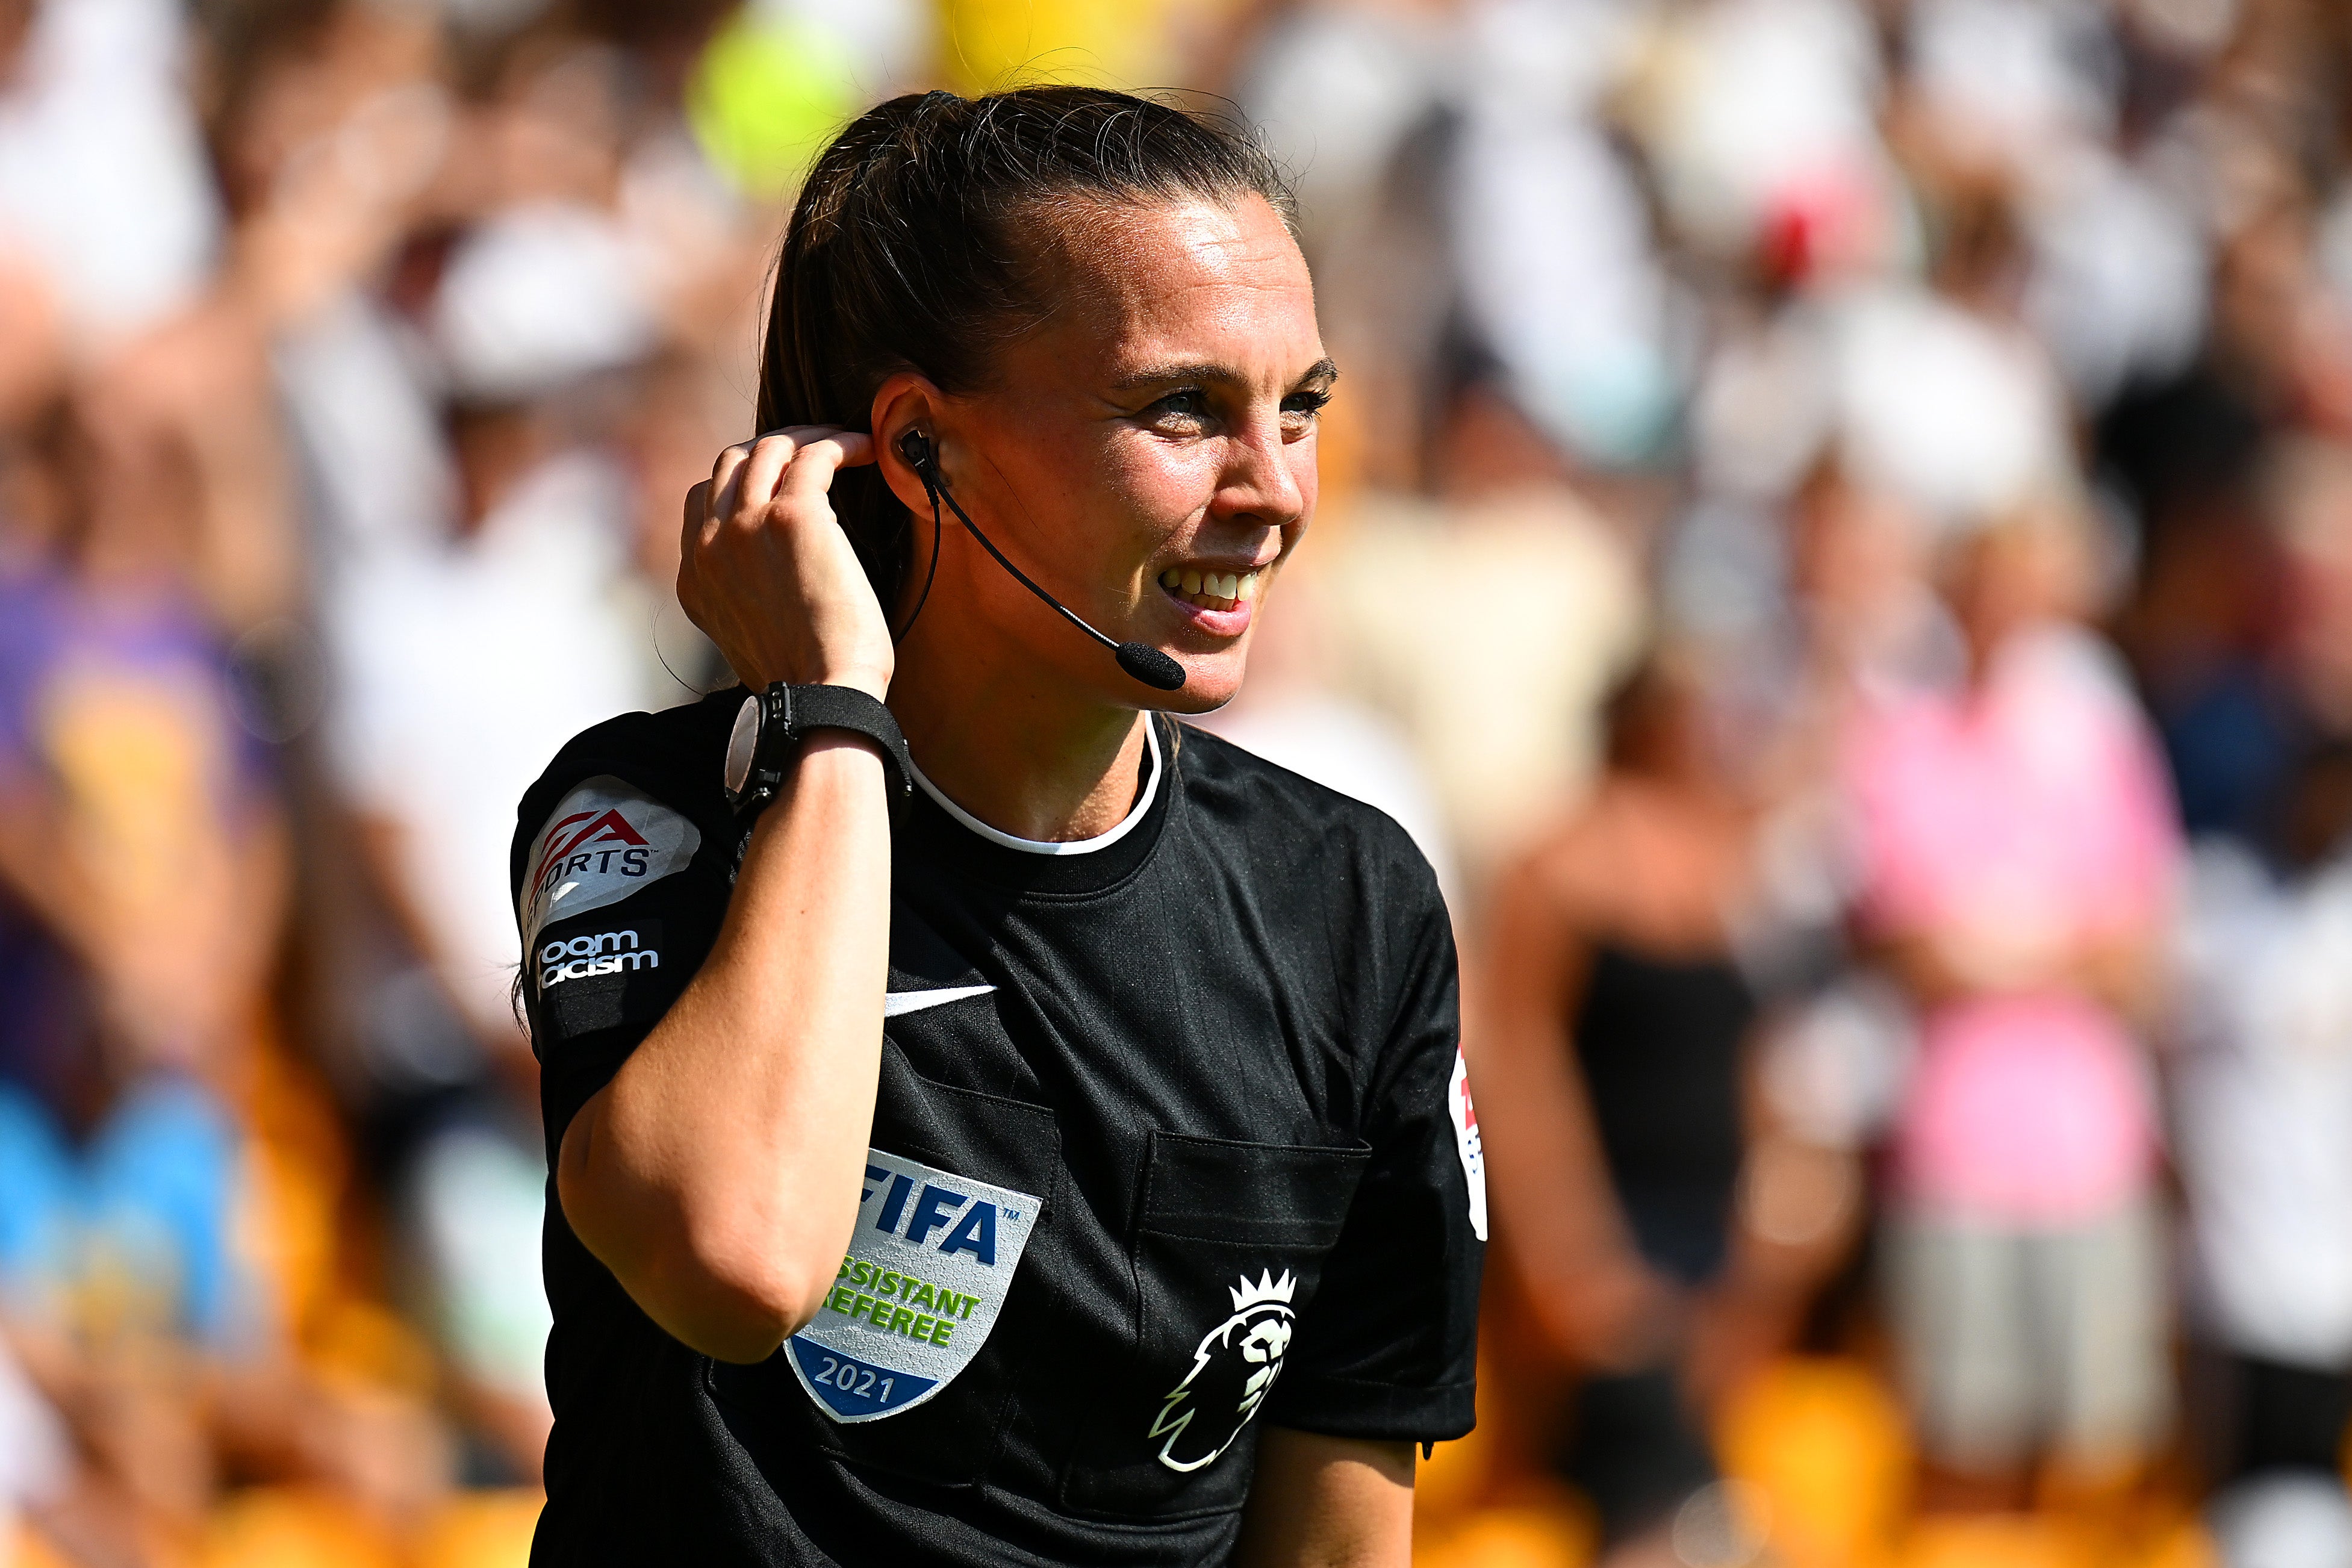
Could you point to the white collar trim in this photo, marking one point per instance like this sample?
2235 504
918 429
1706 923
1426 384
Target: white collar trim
1072 847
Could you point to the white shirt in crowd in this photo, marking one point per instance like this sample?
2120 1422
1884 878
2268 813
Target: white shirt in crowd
2265 1104
462 670
103 175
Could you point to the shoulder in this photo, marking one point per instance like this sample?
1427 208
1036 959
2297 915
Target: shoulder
1286 822
676 754
647 781
1577 866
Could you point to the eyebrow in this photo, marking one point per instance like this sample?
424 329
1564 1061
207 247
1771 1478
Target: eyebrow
1161 375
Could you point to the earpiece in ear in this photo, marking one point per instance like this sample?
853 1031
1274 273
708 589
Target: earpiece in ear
916 447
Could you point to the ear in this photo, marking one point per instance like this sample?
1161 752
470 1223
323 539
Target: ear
904 401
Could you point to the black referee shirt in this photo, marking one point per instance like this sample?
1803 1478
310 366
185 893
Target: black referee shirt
1172 1141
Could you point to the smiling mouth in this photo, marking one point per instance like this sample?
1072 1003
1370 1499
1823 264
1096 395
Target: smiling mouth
1211 590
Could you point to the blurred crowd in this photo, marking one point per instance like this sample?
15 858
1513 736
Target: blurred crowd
1836 539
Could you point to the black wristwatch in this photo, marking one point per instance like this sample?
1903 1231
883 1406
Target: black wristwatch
770 725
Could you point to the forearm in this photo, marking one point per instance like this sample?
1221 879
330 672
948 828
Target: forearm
1545 1169
1327 1502
717 1174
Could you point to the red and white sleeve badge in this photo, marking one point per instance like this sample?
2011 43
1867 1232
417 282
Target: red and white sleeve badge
607 839
1466 1142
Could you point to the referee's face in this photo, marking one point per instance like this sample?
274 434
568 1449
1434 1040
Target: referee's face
1151 445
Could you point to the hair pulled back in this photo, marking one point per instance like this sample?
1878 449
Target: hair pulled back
906 250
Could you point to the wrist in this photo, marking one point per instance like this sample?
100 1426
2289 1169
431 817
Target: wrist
872 680
774 729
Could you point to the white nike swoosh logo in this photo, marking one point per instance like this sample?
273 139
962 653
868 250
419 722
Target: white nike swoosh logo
900 1002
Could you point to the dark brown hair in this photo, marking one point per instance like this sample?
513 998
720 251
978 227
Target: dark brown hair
906 250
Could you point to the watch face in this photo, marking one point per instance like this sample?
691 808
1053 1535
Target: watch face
742 744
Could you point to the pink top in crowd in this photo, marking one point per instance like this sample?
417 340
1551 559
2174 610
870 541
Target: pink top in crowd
2011 822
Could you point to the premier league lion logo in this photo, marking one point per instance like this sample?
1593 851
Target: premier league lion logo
1232 1372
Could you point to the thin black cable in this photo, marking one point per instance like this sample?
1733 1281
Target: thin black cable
1144 662
1020 576
932 573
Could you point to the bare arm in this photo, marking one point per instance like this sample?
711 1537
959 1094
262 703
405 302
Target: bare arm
1550 1177
717 1175
1327 1502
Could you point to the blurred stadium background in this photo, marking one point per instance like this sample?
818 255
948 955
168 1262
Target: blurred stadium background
1837 539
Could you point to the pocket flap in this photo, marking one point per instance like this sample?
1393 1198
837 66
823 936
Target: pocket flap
1220 1189
988 1137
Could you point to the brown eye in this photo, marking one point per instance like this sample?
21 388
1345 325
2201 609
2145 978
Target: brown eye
1185 411
1299 412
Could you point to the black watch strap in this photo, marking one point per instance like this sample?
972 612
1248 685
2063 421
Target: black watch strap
772 723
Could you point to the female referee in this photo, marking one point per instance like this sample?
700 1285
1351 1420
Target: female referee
1043 1138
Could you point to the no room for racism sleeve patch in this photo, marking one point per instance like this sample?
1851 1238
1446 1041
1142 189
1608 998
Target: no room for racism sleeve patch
928 1265
605 841
599 979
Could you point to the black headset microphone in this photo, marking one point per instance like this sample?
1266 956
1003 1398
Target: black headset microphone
1145 663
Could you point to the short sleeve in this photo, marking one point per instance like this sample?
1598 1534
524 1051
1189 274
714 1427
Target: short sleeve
619 893
1388 1349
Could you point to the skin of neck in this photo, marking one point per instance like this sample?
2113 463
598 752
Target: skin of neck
1008 744
1160 417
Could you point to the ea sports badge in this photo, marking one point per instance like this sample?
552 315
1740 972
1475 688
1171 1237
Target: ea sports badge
606 840
928 1267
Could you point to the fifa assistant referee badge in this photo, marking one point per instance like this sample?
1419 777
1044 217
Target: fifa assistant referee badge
770 725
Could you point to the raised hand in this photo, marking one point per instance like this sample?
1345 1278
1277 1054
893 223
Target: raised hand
765 570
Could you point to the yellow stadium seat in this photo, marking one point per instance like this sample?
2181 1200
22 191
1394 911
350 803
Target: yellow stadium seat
1998 1541
1454 1477
2186 1545
295 1527
1826 1444
482 1529
989 44
28 1550
1532 1535
356 1342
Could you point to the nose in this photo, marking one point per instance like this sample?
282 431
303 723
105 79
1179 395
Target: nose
1261 484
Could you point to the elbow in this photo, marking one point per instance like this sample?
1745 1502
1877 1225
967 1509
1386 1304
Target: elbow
728 1296
721 1279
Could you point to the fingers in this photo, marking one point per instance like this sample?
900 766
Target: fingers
814 465
724 476
756 481
749 474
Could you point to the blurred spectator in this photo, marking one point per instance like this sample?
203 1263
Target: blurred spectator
103 175
1558 279
444 653
1291 712
2016 853
1525 603
142 873
144 849
2263 1091
443 650
1664 1243
2263 1096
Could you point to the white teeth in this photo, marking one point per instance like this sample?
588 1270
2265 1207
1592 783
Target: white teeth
1229 589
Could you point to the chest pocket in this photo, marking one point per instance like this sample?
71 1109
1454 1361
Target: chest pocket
952 1437
1228 1249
